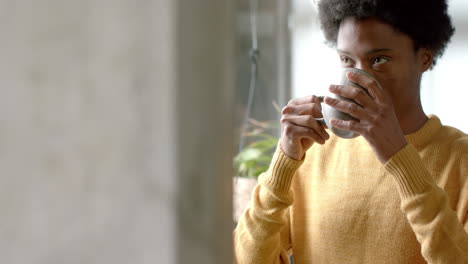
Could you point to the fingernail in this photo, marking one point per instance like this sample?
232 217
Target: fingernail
332 88
328 100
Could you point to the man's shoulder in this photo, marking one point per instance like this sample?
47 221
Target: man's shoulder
453 138
452 148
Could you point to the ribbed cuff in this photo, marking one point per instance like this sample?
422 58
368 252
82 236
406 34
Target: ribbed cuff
409 172
280 174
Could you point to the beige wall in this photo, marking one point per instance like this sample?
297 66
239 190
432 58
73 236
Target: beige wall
92 169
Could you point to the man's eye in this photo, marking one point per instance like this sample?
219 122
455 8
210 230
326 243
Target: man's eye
346 60
379 60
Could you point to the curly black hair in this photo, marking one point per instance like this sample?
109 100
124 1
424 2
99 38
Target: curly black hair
426 22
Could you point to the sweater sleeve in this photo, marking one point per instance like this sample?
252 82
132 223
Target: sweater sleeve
262 234
440 232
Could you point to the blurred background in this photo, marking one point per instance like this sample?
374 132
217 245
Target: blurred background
106 154
120 120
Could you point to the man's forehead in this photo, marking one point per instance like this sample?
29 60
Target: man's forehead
365 28
368 52
367 35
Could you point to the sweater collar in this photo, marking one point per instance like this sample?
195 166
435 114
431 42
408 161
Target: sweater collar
422 137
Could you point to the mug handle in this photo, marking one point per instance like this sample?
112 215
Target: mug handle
321 121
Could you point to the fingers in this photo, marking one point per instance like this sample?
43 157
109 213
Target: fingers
305 100
306 121
358 95
296 132
351 108
299 127
313 109
373 87
353 126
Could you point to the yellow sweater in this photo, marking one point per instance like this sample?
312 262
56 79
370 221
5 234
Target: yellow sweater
341 205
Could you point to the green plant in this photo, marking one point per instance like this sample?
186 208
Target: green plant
255 157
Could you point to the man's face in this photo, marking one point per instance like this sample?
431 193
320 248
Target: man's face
379 49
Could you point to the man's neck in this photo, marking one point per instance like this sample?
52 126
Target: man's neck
412 118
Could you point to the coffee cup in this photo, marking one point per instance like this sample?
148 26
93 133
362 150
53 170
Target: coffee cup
329 112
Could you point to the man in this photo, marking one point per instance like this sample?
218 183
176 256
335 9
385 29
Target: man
396 194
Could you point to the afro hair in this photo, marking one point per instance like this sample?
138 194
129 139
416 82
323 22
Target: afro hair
426 22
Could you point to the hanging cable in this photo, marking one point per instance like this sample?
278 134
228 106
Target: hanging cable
254 54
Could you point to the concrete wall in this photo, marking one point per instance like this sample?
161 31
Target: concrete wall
102 160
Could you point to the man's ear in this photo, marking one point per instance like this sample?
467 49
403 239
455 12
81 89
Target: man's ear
426 59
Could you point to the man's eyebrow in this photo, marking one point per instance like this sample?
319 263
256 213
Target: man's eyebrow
367 53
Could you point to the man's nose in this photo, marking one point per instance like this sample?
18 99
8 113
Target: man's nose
363 66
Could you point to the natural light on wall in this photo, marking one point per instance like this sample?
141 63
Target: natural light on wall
444 89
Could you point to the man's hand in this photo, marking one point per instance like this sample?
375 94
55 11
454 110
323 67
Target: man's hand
377 123
299 129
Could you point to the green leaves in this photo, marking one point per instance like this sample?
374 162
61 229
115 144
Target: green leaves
255 158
